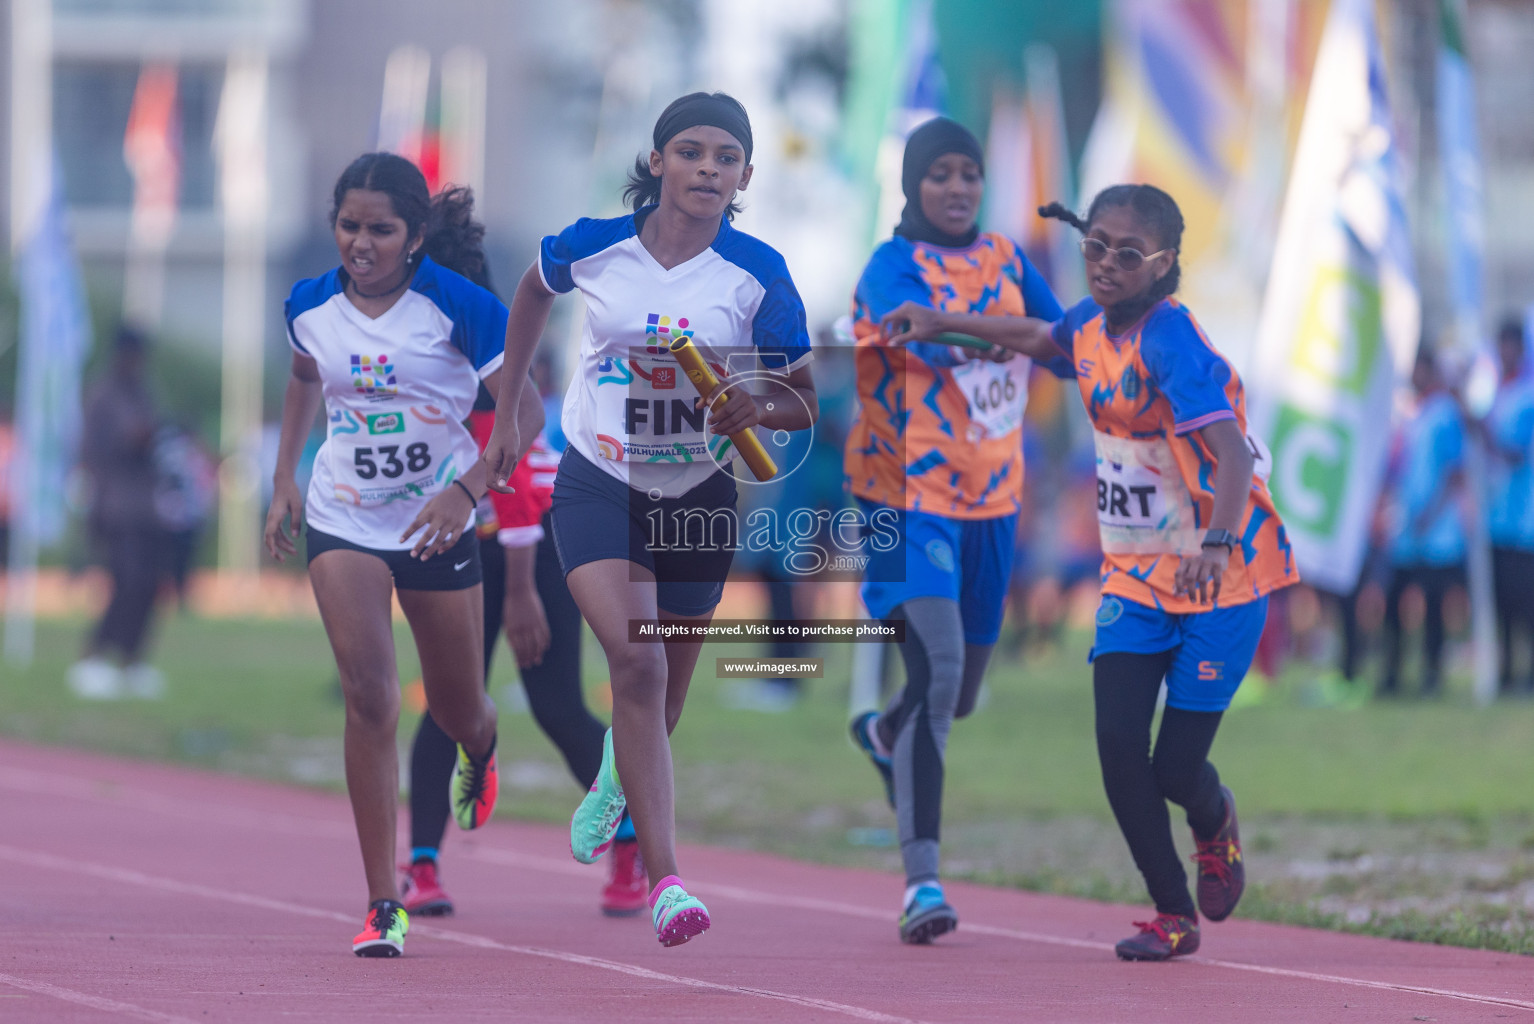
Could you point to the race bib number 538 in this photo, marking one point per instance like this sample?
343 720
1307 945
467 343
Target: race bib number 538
380 458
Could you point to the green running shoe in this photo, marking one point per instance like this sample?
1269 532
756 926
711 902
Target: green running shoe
678 916
596 820
383 932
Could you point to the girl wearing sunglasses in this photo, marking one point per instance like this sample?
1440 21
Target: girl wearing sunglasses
1192 547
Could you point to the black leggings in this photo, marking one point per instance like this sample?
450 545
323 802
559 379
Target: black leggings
1435 581
1513 574
1139 782
553 694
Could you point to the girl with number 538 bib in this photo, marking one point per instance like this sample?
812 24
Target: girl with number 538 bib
394 345
1192 547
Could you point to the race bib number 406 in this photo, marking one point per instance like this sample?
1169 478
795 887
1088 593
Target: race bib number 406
997 394
380 458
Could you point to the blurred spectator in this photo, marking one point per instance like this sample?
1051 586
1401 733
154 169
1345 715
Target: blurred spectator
185 485
7 455
1427 543
117 454
1509 436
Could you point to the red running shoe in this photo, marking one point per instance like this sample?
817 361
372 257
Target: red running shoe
626 892
1167 936
422 891
1221 871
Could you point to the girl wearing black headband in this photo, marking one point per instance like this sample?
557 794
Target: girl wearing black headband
937 447
643 517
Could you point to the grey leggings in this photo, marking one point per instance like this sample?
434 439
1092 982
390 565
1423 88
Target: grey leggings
943 676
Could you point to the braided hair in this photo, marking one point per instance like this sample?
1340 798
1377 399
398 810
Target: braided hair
450 235
1159 213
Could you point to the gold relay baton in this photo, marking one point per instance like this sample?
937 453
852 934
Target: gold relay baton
746 442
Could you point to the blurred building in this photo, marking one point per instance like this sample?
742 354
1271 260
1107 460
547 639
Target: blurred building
569 93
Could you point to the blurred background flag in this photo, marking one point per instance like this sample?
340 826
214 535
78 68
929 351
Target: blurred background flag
152 151
1341 313
1028 164
922 95
1197 100
1466 351
54 340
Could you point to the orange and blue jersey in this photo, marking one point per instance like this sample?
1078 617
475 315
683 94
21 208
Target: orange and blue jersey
917 443
1148 392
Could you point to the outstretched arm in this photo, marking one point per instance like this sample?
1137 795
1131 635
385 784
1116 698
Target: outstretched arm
913 322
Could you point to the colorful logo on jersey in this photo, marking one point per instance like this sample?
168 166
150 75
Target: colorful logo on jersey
1211 671
663 378
609 447
1129 384
374 376
940 555
1110 611
660 332
386 423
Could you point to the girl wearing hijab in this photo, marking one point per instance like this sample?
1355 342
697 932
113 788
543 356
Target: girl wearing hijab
646 473
935 450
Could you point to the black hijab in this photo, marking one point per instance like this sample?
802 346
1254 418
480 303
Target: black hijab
933 139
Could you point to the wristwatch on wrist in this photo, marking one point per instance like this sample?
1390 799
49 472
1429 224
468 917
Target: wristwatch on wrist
1220 539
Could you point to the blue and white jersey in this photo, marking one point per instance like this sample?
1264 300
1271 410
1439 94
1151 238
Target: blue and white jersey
1511 476
630 409
1432 451
397 390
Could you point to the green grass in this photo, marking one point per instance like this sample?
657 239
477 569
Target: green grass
1023 805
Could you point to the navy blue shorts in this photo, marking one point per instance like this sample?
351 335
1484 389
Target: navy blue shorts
687 542
457 568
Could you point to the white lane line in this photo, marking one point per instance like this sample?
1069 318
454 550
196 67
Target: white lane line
756 896
69 995
30 781
124 875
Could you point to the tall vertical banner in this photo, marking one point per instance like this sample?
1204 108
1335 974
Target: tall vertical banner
54 340
239 136
1340 316
1459 155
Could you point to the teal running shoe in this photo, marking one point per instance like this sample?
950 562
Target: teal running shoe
927 916
678 916
596 820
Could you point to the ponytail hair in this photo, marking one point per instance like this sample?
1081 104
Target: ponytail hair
1160 215
453 238
1056 211
444 223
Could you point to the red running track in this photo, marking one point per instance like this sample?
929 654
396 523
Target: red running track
139 892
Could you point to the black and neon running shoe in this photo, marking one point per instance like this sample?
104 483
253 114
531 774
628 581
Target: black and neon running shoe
1167 936
1221 870
927 916
383 931
474 788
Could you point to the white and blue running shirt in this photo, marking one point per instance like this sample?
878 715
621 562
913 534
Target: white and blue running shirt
630 409
397 390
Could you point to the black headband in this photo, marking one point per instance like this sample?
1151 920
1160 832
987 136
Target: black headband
716 110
